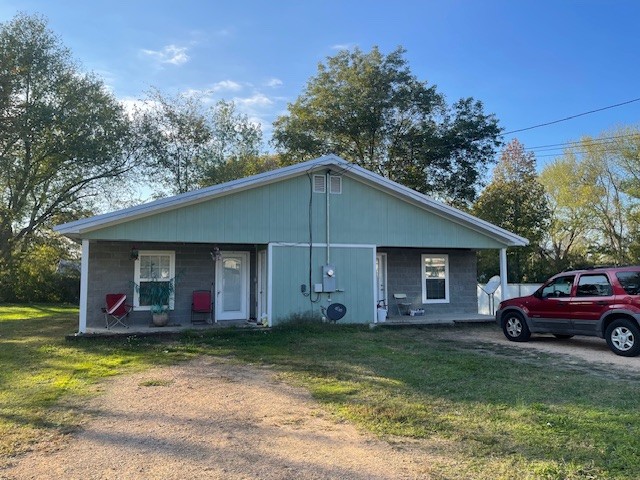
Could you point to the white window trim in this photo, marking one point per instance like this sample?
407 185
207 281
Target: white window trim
446 278
136 277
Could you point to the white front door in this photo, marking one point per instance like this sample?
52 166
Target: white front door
262 284
232 286
381 278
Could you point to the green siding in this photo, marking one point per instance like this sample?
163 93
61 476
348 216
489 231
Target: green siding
354 275
279 212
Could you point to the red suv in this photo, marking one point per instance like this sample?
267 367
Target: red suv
603 302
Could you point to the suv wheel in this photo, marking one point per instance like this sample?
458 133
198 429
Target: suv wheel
514 327
623 338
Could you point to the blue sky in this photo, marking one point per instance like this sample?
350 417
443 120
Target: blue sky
529 62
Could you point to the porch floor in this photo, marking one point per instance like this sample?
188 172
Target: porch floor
436 319
397 320
150 330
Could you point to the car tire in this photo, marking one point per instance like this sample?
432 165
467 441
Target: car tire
514 327
623 338
562 336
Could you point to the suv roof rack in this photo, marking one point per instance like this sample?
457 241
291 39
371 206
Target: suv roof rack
593 267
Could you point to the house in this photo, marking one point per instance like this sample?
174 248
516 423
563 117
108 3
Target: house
288 241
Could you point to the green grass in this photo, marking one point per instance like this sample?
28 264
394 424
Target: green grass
44 378
481 411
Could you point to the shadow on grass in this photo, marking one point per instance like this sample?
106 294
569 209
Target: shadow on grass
495 407
410 383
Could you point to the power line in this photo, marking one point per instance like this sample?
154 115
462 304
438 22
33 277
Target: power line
572 116
578 145
580 142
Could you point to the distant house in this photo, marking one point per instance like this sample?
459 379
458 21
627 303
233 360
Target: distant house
289 241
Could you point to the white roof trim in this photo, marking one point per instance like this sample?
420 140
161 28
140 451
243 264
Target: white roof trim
78 227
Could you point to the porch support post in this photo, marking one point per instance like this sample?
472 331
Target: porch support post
84 286
503 273
270 284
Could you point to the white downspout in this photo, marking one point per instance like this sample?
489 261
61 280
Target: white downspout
503 274
84 286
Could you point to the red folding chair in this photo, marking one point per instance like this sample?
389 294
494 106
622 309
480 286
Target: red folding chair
201 304
117 310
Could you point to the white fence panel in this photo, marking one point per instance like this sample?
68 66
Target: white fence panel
488 304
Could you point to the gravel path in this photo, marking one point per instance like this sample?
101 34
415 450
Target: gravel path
212 419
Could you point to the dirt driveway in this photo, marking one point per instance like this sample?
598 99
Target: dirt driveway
213 419
590 352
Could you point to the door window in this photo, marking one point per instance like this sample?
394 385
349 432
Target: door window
560 287
594 286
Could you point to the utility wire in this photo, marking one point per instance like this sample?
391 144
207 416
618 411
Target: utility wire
572 116
575 145
579 142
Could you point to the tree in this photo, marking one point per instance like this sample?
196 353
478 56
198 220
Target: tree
240 167
63 136
174 138
236 146
601 200
186 145
369 109
565 243
515 201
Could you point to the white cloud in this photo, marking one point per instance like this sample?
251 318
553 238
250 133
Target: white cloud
342 46
257 100
211 94
226 86
169 54
274 82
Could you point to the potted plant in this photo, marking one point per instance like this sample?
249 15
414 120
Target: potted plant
157 294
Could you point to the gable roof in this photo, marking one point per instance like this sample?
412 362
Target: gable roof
77 228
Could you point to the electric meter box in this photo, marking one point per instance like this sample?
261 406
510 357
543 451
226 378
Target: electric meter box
328 278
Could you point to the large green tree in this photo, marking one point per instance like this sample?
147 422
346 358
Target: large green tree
187 145
63 136
371 110
515 201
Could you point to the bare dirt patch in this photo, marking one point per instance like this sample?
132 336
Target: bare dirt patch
213 419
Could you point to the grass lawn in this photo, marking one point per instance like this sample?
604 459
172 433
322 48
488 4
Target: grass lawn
482 413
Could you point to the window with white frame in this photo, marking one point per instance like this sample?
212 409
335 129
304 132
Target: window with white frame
152 265
435 278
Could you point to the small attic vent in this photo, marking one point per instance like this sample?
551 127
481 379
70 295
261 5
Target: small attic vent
319 184
335 184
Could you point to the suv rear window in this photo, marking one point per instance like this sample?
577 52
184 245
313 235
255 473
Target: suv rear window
630 281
